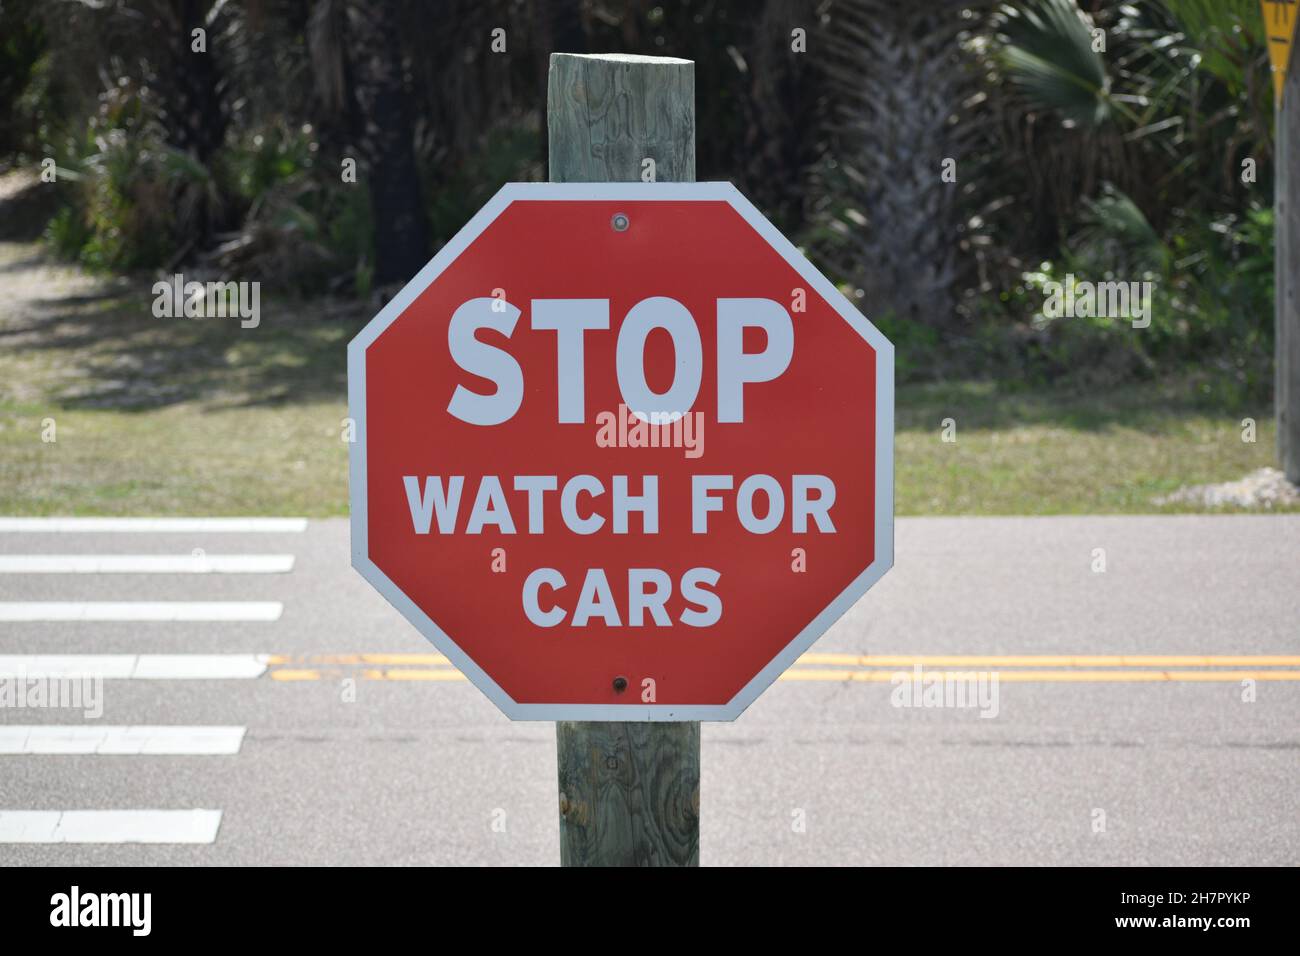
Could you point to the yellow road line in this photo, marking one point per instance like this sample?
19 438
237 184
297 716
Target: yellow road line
882 676
434 659
1025 677
891 660
874 668
285 673
424 659
1054 660
442 673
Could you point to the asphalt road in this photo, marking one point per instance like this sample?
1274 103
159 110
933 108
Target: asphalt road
1110 768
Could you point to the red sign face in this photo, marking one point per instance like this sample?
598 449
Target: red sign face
621 452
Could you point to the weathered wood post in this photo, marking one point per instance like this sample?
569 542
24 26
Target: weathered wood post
629 792
1287 277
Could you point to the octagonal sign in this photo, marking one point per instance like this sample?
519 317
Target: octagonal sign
621 452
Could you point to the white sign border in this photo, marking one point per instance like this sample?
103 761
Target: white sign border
626 192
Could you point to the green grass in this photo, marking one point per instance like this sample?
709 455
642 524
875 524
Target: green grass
174 416
1035 451
182 460
158 416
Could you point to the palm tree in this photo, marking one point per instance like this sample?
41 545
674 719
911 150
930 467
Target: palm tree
900 85
1165 110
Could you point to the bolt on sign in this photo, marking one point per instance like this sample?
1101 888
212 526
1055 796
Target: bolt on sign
1279 32
622 452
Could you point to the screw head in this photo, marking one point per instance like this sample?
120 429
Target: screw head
620 684
620 222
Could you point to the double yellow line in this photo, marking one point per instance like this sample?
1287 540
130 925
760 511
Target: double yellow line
869 668
283 667
1067 668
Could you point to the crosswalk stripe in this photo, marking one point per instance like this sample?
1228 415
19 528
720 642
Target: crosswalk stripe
117 740
184 525
109 826
134 666
140 610
145 563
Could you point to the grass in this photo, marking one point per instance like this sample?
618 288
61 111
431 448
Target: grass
182 460
174 416
158 416
1038 451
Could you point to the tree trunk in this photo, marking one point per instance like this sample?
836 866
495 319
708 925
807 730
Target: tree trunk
392 177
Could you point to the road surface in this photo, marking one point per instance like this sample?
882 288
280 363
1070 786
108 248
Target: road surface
292 717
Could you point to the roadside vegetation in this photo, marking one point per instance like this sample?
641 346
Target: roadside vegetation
948 163
106 410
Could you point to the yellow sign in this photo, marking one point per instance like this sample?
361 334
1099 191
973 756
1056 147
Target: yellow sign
1279 31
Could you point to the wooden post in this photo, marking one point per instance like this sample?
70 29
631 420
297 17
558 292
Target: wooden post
629 792
1286 285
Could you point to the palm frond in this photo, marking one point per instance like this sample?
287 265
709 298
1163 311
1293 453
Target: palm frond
1047 52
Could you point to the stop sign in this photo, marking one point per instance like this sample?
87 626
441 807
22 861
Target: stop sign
621 451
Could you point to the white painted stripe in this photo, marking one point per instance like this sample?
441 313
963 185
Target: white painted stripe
68 666
145 563
143 740
134 666
188 525
198 666
140 610
109 826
